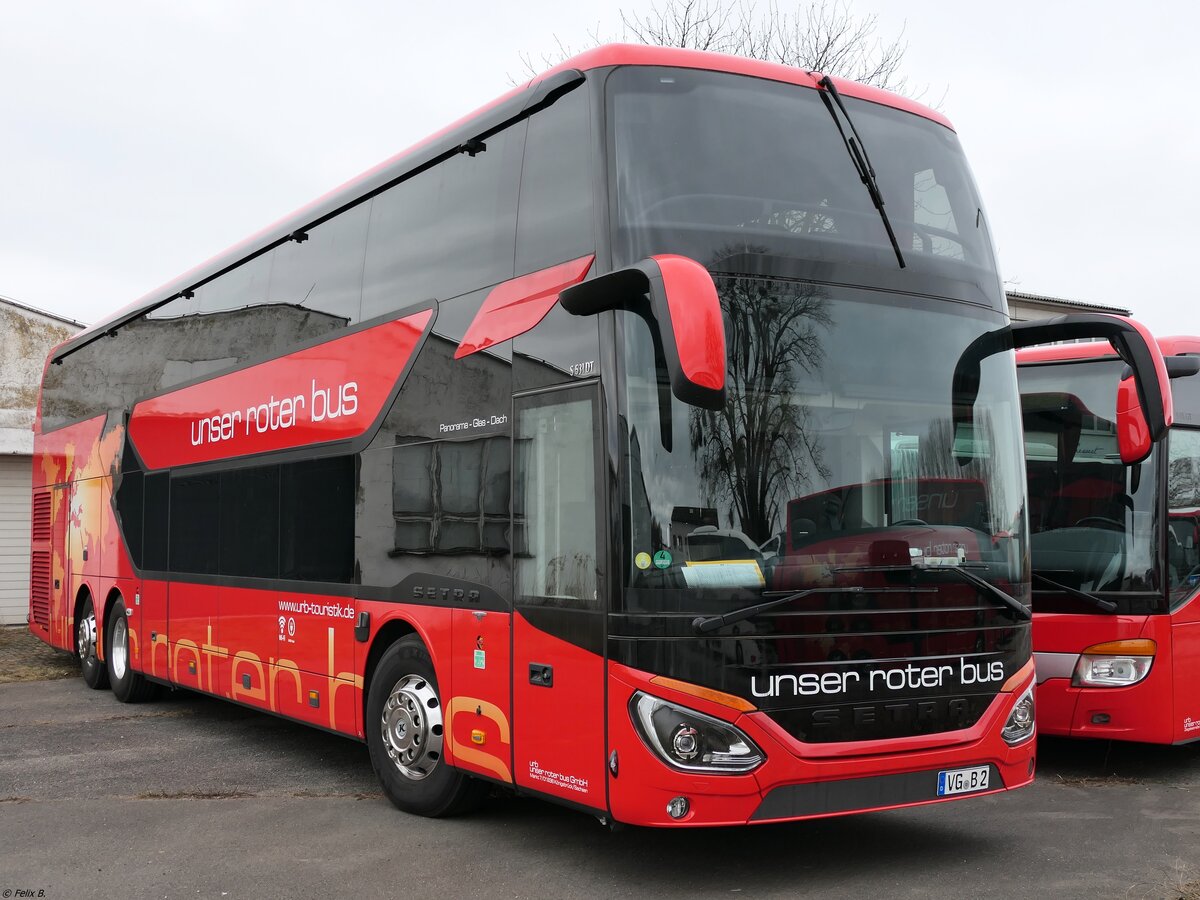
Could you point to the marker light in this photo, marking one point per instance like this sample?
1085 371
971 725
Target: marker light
1114 664
691 741
1021 720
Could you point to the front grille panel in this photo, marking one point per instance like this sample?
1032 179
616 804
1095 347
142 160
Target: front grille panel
839 667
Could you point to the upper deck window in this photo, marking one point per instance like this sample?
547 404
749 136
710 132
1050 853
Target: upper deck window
717 166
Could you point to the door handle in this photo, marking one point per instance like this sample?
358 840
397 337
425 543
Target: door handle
541 675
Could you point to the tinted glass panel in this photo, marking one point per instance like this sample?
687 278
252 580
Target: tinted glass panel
446 231
561 348
555 222
835 441
1183 509
129 487
263 308
316 529
157 492
554 516
1091 517
736 171
195 524
250 522
244 286
324 273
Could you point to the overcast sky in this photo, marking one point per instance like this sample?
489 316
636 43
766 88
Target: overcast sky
140 137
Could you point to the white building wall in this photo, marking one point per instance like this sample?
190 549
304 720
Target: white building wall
26 336
15 477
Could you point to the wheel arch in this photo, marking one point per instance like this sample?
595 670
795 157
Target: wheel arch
389 632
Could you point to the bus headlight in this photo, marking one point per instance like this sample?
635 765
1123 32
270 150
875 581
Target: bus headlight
1114 664
691 741
1020 724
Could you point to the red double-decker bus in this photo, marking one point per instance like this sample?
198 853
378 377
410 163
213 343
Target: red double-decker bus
477 459
1115 549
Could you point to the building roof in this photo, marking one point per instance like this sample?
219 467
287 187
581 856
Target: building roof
41 312
1044 299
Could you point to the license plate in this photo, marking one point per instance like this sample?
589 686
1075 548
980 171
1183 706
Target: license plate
962 781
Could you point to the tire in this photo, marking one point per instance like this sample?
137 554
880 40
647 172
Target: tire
95 675
404 735
127 685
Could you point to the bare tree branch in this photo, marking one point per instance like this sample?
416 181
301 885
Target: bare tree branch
817 35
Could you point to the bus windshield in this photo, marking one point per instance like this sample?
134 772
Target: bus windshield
835 459
721 167
1091 517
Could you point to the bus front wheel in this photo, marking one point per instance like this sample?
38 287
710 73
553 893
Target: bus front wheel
405 735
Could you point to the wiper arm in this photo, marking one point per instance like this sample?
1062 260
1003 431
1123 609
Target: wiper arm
705 624
962 572
858 153
1098 602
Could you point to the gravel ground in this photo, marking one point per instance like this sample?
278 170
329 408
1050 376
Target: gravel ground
24 657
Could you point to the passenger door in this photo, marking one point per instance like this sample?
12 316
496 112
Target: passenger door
558 621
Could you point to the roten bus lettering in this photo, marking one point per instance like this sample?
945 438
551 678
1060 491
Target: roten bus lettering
374 461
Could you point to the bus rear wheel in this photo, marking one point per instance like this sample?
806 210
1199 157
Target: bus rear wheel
127 685
405 735
94 674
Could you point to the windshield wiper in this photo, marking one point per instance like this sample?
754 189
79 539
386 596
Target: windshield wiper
705 624
858 153
1098 602
962 572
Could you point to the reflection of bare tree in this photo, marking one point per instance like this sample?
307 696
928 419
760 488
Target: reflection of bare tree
758 449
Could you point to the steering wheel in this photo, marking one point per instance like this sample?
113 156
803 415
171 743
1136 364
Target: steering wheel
1101 521
911 522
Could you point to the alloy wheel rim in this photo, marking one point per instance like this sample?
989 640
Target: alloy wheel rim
85 642
120 647
411 725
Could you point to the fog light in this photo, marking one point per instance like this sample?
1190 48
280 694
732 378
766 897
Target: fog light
678 808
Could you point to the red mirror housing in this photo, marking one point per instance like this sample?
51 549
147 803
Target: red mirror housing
1133 432
679 295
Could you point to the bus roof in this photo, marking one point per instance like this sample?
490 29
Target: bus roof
1176 345
523 99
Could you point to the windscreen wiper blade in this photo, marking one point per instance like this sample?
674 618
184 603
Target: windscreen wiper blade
962 572
705 624
1098 602
858 153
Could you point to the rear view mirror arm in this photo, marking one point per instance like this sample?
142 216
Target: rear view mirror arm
1131 341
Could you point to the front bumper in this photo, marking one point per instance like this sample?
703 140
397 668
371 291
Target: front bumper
800 781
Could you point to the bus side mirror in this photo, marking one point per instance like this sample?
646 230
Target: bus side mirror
680 298
1133 432
1148 398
